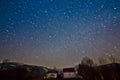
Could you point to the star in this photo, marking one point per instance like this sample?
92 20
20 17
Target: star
58 31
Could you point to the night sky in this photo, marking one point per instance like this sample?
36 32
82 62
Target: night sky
58 32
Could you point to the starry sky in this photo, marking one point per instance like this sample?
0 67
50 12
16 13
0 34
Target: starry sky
58 32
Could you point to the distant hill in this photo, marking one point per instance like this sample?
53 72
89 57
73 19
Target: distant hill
102 72
16 71
109 71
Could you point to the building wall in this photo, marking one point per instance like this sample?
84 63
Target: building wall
69 75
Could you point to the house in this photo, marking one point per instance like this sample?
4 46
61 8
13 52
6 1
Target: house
69 73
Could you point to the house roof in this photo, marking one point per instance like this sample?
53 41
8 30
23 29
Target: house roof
68 70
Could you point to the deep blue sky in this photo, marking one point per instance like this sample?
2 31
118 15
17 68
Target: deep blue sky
58 32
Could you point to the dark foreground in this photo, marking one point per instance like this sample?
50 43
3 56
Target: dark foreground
13 71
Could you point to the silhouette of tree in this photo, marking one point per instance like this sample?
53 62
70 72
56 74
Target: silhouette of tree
102 60
87 61
6 60
111 58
